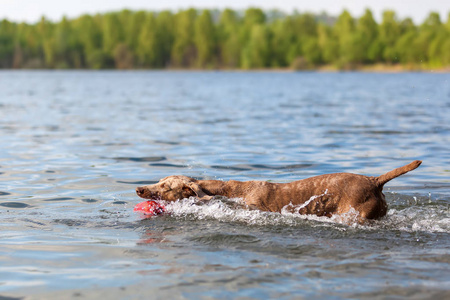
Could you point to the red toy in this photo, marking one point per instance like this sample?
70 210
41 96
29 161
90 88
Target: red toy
150 208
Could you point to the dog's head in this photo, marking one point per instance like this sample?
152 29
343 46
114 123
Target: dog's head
172 188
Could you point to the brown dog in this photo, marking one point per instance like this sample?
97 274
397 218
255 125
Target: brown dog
323 195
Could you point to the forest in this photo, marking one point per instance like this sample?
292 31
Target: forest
226 39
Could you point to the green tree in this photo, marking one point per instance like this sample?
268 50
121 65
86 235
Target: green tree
254 16
283 37
404 46
311 52
257 52
303 39
328 44
446 46
7 30
389 34
205 40
437 49
407 54
90 39
344 30
228 39
306 28
184 52
45 33
112 32
366 39
252 39
67 48
133 28
165 24
23 45
148 42
432 39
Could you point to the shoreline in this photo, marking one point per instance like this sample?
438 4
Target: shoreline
377 68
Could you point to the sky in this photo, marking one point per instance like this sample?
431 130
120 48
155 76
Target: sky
30 11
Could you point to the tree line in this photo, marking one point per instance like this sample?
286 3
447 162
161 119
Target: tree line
227 39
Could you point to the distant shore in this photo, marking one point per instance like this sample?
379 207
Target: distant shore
376 68
205 39
383 68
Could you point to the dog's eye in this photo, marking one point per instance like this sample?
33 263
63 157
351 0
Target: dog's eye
165 187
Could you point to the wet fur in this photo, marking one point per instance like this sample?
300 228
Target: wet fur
333 193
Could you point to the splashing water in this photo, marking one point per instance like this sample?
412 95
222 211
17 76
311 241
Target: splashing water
296 208
234 210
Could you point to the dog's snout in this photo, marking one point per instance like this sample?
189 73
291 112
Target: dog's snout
140 190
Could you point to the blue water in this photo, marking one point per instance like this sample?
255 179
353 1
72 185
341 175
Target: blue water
75 144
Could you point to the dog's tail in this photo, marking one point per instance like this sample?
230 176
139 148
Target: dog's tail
381 180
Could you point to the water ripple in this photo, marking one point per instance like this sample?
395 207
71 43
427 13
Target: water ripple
14 205
141 159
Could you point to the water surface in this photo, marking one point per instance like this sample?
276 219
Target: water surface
76 144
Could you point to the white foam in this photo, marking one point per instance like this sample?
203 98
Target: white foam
420 218
415 218
296 208
222 211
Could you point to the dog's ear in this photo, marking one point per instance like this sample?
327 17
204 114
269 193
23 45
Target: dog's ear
198 191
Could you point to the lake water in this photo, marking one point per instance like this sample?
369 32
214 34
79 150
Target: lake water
75 144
